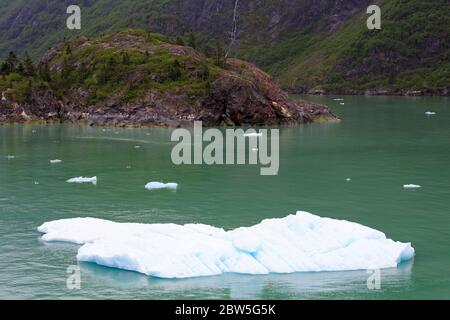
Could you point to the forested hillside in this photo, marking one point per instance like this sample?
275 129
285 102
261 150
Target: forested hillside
305 44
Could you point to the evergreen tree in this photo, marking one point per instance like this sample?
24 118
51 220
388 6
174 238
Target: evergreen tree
44 72
28 91
175 70
126 59
11 62
20 69
192 40
4 68
68 50
29 70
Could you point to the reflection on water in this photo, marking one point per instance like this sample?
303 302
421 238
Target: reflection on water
233 286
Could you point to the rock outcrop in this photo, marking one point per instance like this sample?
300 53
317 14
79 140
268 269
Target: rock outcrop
170 85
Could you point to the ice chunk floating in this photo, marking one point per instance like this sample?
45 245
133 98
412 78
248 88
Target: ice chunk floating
92 180
56 161
160 185
297 243
412 186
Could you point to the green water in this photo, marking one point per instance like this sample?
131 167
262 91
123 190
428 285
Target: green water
382 144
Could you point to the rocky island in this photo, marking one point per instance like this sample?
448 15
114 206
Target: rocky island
135 78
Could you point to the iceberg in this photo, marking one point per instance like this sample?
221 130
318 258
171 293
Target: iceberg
56 161
297 243
92 180
160 185
412 186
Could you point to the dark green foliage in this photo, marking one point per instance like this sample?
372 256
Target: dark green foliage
10 64
126 59
180 41
192 42
20 69
44 72
175 71
29 69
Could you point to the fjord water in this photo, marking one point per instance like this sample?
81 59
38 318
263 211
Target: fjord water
381 144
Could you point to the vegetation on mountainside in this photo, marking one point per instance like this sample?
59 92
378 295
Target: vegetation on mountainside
410 52
124 65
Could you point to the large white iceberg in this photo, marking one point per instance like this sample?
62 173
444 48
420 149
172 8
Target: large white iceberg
297 243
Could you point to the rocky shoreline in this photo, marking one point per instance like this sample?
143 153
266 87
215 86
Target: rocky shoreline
373 92
57 112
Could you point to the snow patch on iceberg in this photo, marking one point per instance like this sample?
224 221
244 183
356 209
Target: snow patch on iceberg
92 180
297 243
160 185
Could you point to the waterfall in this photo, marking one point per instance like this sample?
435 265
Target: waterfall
234 29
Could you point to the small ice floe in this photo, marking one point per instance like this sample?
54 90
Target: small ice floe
33 131
92 180
160 185
255 149
412 186
128 167
430 113
253 134
348 179
342 104
137 147
56 161
36 183
147 134
10 157
338 99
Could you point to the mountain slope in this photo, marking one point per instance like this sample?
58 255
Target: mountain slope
305 44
